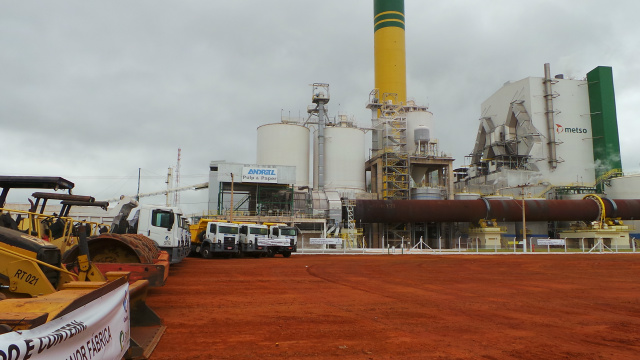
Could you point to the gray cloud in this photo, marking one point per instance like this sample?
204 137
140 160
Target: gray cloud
95 90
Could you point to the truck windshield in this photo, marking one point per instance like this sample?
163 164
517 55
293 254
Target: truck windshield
289 231
227 229
259 231
162 218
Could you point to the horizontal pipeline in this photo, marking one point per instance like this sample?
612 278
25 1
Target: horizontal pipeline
416 211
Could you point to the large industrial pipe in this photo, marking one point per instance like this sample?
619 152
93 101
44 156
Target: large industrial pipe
416 211
548 96
389 48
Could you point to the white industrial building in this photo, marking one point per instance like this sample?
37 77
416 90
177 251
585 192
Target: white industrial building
536 132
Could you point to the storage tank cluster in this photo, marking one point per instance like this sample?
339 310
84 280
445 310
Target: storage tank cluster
344 153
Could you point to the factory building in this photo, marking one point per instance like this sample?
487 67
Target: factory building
546 148
544 133
263 190
307 172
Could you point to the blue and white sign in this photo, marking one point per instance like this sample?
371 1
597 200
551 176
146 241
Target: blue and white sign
260 175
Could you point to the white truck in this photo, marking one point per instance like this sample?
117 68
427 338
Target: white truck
254 239
166 226
283 239
217 238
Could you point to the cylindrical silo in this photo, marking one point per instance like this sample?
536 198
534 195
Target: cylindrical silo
426 193
421 134
344 159
285 144
416 120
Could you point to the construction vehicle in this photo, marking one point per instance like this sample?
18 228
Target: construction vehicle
283 239
43 304
210 237
135 254
166 226
254 239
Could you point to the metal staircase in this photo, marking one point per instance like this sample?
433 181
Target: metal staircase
395 164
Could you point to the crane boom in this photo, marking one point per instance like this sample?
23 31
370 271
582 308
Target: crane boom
169 191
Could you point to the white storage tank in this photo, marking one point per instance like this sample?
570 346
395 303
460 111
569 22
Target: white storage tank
344 158
418 119
285 144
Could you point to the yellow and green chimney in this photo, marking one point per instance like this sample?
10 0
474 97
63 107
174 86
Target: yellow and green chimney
389 50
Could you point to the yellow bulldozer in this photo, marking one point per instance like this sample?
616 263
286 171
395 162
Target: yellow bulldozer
36 290
52 310
133 253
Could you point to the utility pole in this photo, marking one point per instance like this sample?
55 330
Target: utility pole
524 219
169 183
231 207
138 193
176 195
524 226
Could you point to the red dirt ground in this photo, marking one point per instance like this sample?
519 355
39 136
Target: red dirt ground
402 307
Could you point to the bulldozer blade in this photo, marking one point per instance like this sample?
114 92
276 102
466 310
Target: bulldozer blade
163 260
154 273
146 326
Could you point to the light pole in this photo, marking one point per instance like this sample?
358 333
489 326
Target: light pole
231 213
524 226
524 218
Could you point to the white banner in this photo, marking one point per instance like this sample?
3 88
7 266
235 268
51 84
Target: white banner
325 241
260 175
98 330
273 242
550 241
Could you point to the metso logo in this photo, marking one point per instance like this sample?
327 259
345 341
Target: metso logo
573 130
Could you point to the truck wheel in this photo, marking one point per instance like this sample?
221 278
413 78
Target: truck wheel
206 251
286 254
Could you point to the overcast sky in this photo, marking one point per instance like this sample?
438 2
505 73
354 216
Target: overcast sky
93 90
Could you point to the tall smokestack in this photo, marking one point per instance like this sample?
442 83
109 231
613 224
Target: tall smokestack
389 49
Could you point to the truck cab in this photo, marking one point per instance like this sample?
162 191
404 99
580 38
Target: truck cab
219 238
166 226
283 239
254 239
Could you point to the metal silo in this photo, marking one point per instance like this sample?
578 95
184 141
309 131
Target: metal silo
419 118
285 144
344 159
426 193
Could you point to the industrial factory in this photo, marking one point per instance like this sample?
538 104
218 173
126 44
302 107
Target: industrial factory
545 165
